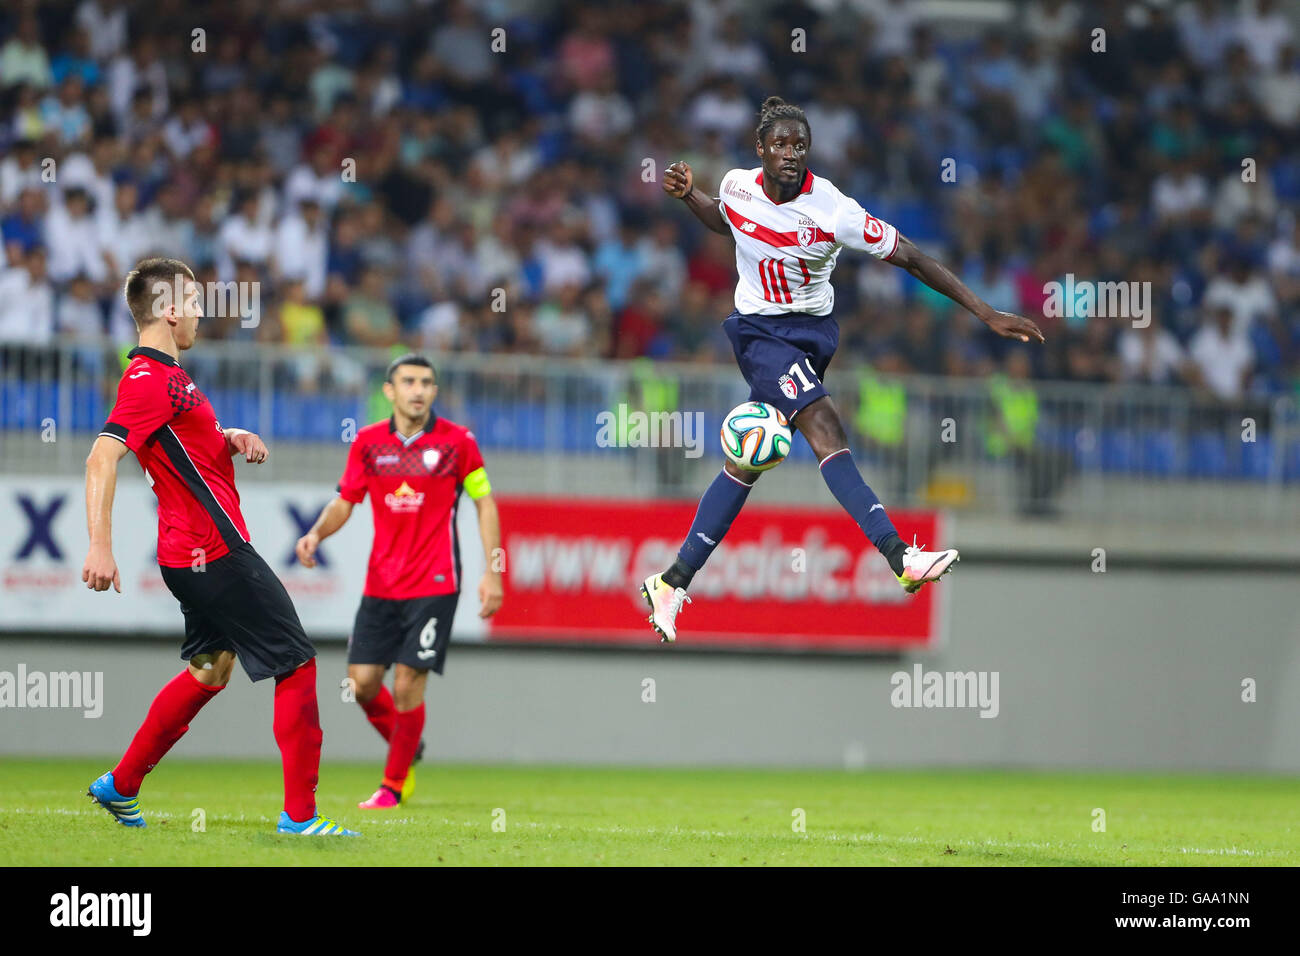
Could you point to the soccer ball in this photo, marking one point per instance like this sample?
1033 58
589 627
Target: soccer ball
756 436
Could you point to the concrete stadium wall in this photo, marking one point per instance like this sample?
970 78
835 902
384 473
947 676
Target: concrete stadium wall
1139 667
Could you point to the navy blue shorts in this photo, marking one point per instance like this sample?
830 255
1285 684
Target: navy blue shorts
414 631
783 357
236 603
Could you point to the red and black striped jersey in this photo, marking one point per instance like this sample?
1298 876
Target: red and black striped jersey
414 485
170 425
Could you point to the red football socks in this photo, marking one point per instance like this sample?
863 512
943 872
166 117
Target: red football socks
298 734
401 748
168 718
381 712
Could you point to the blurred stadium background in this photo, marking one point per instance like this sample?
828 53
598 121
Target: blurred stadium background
501 219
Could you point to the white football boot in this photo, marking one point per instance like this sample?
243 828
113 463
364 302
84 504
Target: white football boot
665 601
920 566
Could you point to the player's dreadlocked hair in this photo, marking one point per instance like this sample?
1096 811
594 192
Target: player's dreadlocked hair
774 108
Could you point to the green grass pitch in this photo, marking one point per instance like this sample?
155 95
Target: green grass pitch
618 816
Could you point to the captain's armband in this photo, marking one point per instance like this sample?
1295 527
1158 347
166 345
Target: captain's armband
476 483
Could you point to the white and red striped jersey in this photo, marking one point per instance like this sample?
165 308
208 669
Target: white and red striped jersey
785 252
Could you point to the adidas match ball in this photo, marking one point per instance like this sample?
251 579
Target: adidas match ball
756 436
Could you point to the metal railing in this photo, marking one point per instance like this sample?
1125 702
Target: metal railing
1099 451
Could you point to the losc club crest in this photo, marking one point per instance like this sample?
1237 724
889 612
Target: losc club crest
788 388
431 456
805 235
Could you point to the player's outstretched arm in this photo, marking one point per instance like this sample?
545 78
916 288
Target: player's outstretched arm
679 182
491 591
941 279
100 570
332 517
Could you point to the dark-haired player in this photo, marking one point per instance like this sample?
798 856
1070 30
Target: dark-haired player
789 227
414 466
233 603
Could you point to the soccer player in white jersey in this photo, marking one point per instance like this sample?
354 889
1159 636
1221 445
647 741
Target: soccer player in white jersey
789 227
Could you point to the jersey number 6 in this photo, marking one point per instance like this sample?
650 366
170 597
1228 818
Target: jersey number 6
427 637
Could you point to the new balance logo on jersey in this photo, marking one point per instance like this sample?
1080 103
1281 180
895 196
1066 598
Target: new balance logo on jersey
749 227
788 388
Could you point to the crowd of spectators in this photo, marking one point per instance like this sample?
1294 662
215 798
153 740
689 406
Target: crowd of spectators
483 177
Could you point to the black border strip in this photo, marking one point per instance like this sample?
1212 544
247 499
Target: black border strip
114 430
189 473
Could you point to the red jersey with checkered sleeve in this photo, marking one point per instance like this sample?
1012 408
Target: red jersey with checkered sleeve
162 416
786 251
414 486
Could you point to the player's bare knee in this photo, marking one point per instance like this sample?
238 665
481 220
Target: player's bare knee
820 425
408 687
365 683
213 670
740 474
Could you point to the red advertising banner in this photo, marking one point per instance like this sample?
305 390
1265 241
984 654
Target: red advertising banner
784 578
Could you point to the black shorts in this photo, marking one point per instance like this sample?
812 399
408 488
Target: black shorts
236 603
413 632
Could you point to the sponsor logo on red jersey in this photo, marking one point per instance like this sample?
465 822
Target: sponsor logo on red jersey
404 499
